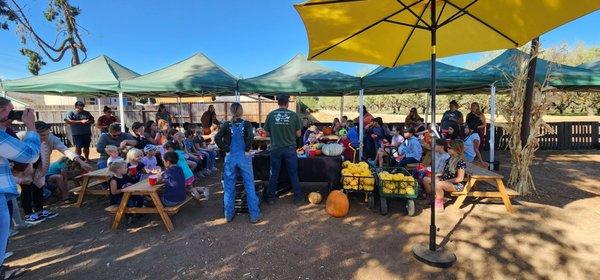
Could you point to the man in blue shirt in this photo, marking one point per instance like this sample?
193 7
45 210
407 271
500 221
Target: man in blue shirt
11 148
81 122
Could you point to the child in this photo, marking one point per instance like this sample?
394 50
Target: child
451 177
411 150
170 146
57 176
441 155
134 157
190 148
119 181
149 160
113 154
388 149
353 135
235 138
193 161
174 192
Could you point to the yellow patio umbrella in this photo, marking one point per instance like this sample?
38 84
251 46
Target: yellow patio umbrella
397 32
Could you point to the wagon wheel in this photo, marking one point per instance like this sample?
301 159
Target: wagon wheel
371 198
410 207
384 206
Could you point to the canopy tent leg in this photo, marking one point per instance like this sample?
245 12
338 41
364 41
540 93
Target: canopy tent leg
341 107
237 96
492 132
179 112
3 93
259 111
122 111
361 125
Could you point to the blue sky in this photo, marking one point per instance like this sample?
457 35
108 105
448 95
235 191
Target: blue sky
246 37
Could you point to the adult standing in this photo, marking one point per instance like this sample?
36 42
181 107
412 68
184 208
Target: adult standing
453 117
283 126
163 114
477 118
106 119
116 138
208 119
81 122
11 148
235 139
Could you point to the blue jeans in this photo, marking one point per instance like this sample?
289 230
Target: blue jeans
243 164
212 158
290 157
102 163
4 226
407 160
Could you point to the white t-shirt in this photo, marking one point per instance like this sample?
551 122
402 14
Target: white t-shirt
397 140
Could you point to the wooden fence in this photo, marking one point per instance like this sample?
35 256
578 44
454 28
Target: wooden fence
190 112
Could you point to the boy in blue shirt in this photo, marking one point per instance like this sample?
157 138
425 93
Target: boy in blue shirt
174 192
410 151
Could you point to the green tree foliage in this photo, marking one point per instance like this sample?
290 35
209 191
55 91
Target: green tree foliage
68 37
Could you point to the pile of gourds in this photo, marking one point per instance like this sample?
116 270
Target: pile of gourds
397 183
357 176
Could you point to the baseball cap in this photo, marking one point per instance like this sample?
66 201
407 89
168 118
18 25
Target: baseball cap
150 147
41 126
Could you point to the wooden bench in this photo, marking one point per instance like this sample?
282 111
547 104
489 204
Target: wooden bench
172 210
475 174
77 190
100 176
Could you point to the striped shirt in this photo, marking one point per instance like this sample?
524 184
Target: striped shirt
11 148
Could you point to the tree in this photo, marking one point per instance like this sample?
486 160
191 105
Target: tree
68 37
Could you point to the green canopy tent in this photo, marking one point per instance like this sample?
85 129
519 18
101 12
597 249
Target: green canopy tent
416 78
594 65
100 76
301 77
560 76
196 75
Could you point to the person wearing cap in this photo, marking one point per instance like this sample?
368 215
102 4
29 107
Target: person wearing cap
310 130
81 122
284 126
410 150
453 117
106 119
49 143
116 138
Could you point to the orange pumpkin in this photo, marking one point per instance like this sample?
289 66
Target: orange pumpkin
327 130
337 204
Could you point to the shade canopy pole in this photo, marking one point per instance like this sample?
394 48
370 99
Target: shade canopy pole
122 111
341 107
259 111
361 123
179 111
237 96
492 132
99 103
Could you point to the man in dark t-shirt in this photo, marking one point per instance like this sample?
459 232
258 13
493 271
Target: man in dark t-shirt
453 117
81 122
284 126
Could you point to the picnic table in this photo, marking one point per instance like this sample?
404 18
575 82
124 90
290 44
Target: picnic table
477 174
100 176
143 188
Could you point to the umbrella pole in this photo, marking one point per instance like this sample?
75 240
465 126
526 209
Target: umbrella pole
122 111
430 253
492 132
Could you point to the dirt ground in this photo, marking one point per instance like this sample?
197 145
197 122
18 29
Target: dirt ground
552 235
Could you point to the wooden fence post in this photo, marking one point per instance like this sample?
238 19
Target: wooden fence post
595 136
190 110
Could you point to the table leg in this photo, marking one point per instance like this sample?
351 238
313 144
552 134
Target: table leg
161 211
121 210
504 194
461 198
84 185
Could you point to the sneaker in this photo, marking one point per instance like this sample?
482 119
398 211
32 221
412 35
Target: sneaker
34 219
195 194
439 205
255 221
206 192
48 214
229 219
7 255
